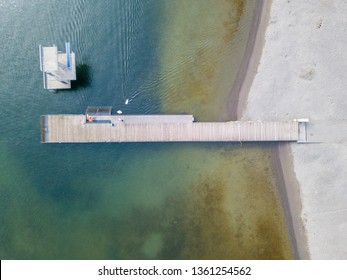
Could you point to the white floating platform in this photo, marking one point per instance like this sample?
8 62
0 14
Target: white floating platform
58 68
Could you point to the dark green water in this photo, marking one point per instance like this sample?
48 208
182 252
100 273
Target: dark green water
130 201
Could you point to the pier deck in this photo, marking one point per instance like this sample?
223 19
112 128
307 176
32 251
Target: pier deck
161 128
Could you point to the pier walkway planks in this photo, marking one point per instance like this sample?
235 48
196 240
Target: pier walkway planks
161 128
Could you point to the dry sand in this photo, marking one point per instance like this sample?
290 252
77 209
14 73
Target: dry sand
301 74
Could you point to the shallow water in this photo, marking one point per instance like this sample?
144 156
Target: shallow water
131 201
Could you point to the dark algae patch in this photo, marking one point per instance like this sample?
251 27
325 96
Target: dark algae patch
230 210
198 57
217 223
207 202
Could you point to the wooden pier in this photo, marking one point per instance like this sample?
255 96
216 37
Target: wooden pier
161 128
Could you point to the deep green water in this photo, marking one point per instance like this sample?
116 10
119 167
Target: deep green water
130 201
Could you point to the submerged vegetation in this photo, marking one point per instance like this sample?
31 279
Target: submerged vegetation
135 201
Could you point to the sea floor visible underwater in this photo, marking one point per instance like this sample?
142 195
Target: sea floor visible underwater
132 201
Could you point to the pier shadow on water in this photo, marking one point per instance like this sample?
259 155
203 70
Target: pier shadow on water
84 76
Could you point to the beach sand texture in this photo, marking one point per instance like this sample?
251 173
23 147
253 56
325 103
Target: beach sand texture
301 73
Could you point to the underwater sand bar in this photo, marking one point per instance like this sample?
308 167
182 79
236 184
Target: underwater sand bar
161 128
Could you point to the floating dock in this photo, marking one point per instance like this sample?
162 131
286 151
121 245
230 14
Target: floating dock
104 127
58 68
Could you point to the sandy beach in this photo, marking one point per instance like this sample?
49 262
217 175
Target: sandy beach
296 70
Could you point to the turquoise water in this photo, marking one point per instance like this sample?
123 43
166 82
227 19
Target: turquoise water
129 201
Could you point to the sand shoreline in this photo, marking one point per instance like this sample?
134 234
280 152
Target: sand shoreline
301 75
239 92
289 190
290 194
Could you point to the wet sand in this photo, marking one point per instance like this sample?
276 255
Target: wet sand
289 189
239 92
291 200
